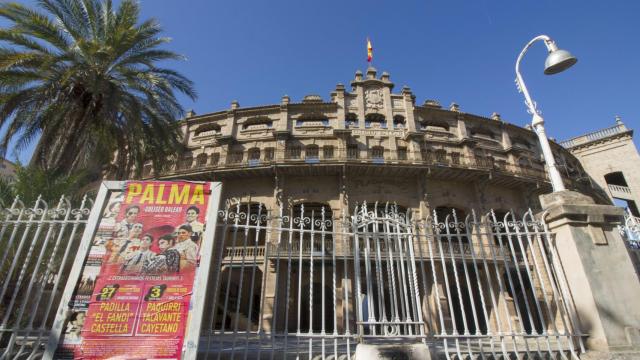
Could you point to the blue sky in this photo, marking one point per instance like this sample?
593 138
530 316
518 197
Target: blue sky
462 51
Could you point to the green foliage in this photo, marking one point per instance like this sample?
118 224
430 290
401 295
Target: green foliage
84 76
32 181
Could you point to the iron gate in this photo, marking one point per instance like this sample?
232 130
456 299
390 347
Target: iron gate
307 283
37 246
303 282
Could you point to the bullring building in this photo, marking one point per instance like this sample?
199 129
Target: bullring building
368 218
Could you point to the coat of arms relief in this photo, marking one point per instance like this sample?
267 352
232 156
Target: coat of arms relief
373 99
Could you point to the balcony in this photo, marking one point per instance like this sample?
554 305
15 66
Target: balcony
594 136
620 192
438 161
422 250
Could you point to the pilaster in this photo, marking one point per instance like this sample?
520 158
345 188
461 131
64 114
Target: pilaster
599 273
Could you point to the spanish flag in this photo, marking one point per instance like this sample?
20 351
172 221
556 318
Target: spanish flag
369 51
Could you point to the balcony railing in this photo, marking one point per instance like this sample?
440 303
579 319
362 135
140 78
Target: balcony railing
422 249
619 190
593 136
438 159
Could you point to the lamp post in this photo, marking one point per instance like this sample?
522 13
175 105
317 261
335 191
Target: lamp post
558 60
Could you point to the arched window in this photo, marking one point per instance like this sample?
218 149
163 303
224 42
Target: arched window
385 232
453 242
201 160
207 129
269 154
257 123
524 163
185 161
375 121
482 159
615 178
434 126
352 151
426 154
311 154
312 119
402 153
244 247
377 154
253 156
215 158
313 242
235 157
327 152
482 132
351 121
399 122
293 152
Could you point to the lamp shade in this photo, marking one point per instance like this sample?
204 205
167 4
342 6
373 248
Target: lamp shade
557 61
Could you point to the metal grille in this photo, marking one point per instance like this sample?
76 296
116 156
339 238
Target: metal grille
631 230
306 283
37 247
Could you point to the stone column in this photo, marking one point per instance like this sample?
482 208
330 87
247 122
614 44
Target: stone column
600 276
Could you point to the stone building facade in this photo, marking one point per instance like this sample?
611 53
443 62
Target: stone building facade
294 172
370 144
611 159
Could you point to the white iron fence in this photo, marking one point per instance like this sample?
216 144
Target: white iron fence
631 231
37 249
306 283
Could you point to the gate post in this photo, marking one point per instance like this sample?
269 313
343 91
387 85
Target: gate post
599 273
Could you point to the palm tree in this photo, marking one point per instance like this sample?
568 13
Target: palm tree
84 78
30 182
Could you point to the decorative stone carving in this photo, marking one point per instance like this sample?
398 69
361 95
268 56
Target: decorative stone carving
432 103
373 99
312 99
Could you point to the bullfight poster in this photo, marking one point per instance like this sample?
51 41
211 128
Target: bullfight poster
133 296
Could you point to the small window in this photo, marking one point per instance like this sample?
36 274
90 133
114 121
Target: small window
482 132
375 121
402 153
441 156
399 122
257 123
351 121
616 178
455 158
434 126
185 162
352 151
327 152
293 152
235 157
201 160
426 155
524 163
311 154
377 154
253 157
207 129
215 158
254 154
269 154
